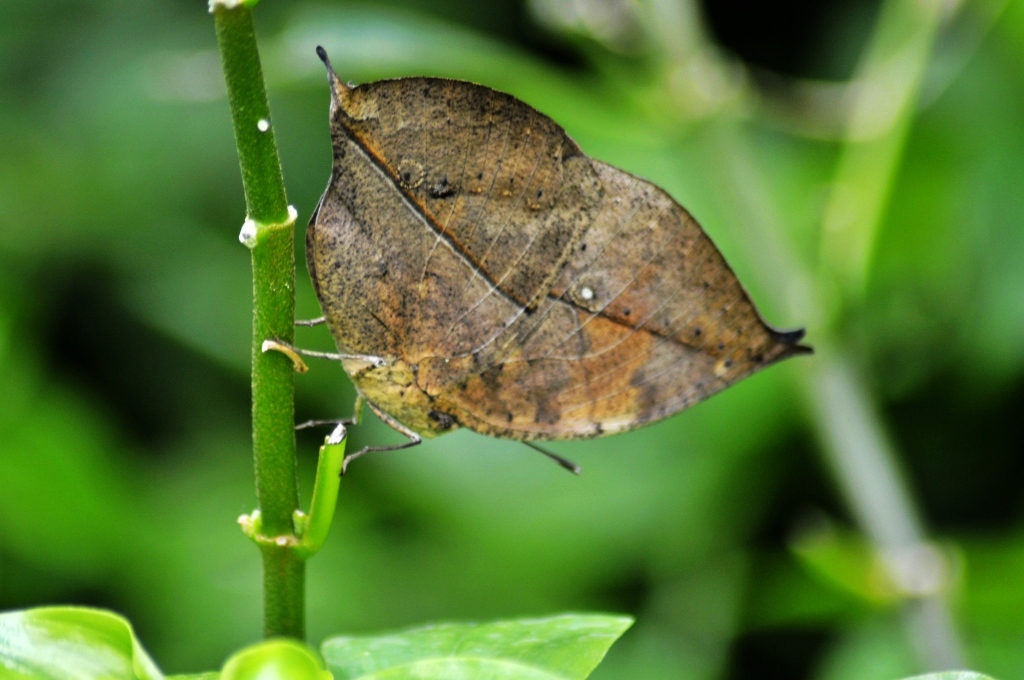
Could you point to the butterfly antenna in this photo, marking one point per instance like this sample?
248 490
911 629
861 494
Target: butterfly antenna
338 88
322 53
564 462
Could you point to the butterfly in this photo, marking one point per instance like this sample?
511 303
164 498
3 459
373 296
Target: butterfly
476 269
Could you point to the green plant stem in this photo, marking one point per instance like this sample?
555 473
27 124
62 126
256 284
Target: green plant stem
317 524
273 266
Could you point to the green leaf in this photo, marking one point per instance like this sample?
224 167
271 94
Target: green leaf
75 643
846 560
71 643
565 647
285 659
951 675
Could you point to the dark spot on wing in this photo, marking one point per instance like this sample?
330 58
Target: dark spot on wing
441 188
649 396
444 420
492 377
546 412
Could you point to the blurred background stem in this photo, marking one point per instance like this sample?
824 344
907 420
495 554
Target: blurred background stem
855 440
859 449
273 268
889 79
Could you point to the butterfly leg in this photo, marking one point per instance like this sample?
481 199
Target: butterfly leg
564 462
311 322
414 439
293 353
354 420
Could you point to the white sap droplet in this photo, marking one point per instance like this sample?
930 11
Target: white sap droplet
281 541
337 435
587 293
247 235
226 4
263 125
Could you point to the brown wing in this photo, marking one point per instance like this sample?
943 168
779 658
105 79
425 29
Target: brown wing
495 182
534 293
645 319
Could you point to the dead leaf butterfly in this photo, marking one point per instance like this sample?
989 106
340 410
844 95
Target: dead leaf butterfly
509 283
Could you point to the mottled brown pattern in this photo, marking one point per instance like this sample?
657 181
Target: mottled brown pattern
512 284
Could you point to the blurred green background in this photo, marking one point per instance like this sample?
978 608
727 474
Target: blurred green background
861 165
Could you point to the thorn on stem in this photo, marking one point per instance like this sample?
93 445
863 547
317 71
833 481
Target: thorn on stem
288 351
